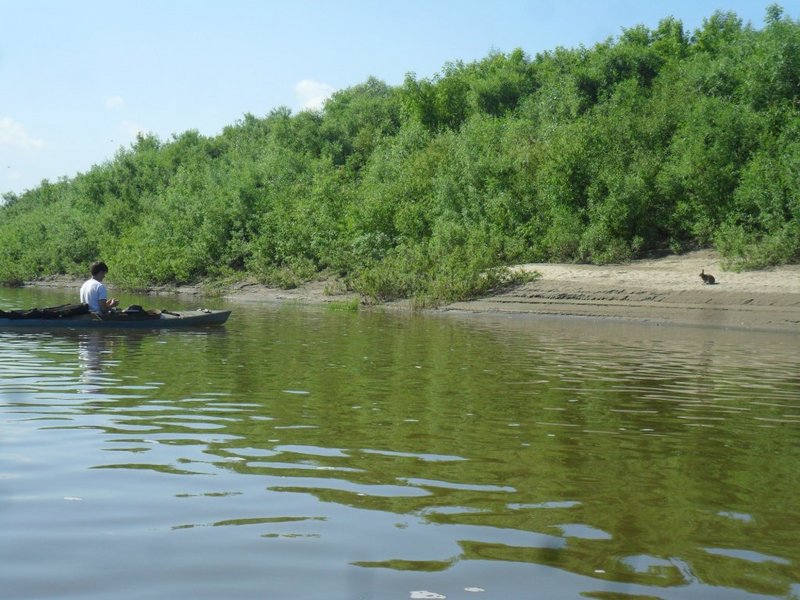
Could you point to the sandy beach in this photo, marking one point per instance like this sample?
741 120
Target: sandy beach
657 291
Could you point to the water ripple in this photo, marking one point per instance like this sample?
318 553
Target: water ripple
415 450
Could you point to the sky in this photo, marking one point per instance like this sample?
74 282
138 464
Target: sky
79 79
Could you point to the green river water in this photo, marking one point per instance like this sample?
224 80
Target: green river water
307 453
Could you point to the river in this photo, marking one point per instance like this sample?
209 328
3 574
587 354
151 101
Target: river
309 453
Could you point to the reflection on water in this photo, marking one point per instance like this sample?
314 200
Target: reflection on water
390 455
92 349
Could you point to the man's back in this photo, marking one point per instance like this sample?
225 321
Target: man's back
92 291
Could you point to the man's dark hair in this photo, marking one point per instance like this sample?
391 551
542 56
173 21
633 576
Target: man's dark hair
98 266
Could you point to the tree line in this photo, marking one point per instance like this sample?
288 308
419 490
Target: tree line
655 140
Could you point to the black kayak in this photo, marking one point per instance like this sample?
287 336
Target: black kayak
78 316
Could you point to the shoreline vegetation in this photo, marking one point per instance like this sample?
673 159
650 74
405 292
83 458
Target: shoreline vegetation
660 291
656 142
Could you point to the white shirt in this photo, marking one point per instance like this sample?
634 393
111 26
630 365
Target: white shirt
92 291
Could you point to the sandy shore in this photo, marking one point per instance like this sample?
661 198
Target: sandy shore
658 291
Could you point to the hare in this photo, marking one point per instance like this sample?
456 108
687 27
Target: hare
707 278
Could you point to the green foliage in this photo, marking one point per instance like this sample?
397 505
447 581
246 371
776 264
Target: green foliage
718 34
357 119
351 305
764 226
449 268
493 86
656 139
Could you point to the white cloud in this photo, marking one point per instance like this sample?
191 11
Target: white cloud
113 102
312 94
13 136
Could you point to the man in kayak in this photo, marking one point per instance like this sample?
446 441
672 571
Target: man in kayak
94 292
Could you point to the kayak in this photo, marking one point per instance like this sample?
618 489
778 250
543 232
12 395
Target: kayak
78 316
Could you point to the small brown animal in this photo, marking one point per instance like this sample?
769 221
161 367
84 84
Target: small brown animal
707 278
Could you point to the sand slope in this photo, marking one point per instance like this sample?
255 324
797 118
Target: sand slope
664 290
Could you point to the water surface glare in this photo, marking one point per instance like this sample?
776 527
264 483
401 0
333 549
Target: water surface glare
305 453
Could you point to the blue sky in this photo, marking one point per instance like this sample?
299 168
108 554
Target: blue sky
80 78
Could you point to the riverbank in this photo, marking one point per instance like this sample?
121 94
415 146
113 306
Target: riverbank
658 291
